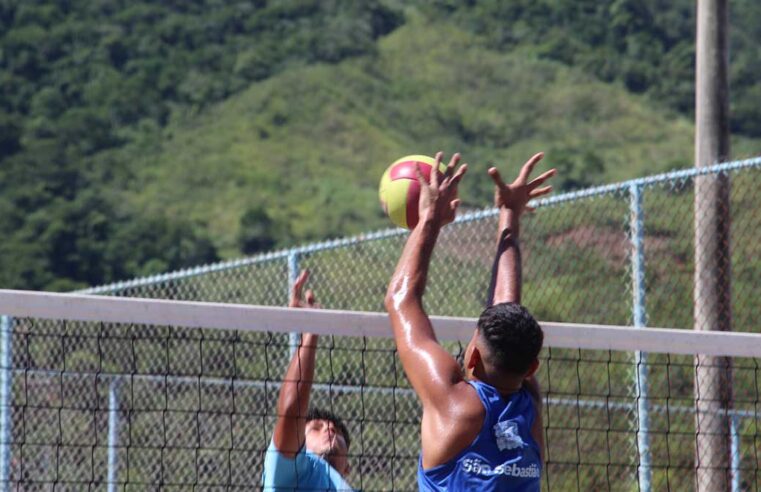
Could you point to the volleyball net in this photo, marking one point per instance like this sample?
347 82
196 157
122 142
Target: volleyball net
119 396
106 393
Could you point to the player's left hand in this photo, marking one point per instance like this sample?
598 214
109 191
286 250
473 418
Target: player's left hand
517 194
439 198
309 300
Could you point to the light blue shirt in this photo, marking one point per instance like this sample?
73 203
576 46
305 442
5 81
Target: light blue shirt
305 471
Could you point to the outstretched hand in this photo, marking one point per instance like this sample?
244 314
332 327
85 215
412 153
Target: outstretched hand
309 300
517 194
439 197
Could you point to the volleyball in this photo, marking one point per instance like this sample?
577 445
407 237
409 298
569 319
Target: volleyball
400 190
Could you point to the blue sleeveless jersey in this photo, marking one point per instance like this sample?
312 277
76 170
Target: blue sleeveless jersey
503 457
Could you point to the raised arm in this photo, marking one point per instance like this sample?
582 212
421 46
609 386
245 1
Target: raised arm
432 371
512 200
293 402
507 274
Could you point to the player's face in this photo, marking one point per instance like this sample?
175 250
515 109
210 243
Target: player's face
323 439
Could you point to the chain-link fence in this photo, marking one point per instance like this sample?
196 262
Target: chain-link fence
142 408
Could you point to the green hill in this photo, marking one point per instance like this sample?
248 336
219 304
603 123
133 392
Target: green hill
147 137
305 149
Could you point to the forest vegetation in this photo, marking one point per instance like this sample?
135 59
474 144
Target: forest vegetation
139 137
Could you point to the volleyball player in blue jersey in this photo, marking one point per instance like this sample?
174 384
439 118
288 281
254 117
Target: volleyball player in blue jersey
481 427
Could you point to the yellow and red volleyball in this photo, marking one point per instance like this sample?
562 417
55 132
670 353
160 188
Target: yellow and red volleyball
400 190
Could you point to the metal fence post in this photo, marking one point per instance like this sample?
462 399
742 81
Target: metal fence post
735 445
293 273
113 435
639 315
6 400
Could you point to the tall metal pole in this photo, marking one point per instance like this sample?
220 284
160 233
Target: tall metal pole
112 479
294 339
735 436
6 400
712 296
639 312
639 315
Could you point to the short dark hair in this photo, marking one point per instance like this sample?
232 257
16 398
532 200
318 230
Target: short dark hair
321 414
512 336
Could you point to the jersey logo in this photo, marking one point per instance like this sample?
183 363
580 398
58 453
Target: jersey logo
507 435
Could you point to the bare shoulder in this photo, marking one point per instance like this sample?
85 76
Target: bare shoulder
537 430
463 408
532 386
469 404
446 432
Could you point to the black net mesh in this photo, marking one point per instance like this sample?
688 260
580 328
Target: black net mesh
99 406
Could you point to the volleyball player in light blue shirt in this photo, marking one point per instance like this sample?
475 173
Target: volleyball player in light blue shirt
309 449
481 428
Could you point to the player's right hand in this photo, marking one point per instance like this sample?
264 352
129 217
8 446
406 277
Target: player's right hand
438 199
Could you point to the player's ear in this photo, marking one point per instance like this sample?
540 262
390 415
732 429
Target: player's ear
474 359
532 368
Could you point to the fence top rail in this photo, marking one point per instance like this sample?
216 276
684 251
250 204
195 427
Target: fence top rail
623 186
190 314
